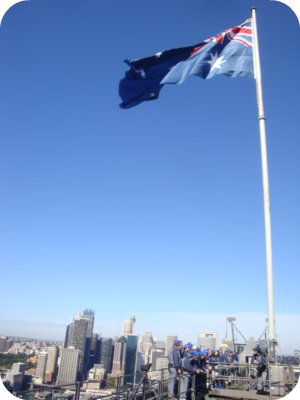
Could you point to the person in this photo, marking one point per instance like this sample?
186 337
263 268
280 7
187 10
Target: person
174 368
222 368
186 348
260 359
189 367
216 371
201 377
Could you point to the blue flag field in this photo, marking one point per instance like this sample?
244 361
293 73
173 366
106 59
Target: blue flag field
229 53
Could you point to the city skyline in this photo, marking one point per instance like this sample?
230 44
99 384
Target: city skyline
185 326
156 210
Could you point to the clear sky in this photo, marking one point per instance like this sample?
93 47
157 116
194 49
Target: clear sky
156 210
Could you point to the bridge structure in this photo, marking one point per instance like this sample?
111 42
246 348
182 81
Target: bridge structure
223 381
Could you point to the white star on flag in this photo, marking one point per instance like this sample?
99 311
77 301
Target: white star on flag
142 73
216 62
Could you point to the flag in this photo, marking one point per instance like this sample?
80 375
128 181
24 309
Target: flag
229 53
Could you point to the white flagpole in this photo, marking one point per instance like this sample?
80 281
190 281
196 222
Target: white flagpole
266 194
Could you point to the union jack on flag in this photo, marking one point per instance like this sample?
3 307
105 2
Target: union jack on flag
228 53
241 33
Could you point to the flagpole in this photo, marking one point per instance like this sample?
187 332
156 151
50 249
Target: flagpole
266 193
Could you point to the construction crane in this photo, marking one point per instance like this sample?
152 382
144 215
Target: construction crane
232 322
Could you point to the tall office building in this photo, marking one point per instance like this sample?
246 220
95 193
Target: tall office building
159 345
154 356
51 367
146 347
130 359
17 368
80 326
17 375
69 366
97 357
106 356
41 367
69 335
2 343
170 341
76 336
5 344
128 326
119 356
92 358
160 371
208 340
90 315
146 343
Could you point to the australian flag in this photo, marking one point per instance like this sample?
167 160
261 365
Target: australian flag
229 53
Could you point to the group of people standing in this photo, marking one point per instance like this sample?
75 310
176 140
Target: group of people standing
185 364
189 368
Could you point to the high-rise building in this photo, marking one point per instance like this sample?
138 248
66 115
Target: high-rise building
146 344
76 336
92 358
69 335
159 345
119 356
106 356
97 357
80 326
2 343
208 340
130 359
128 325
170 341
146 347
154 356
51 367
41 367
17 375
159 367
69 366
8 345
5 344
90 315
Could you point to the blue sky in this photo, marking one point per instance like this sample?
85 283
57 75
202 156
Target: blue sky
156 210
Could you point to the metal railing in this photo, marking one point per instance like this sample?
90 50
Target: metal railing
153 385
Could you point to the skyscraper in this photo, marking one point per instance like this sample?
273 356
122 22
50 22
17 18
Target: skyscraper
146 343
159 345
51 367
159 367
170 341
106 356
90 315
80 326
2 343
130 359
128 325
208 340
69 335
146 347
17 375
119 356
5 344
76 335
41 367
92 358
69 366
